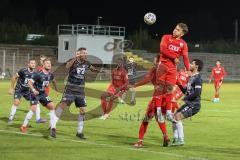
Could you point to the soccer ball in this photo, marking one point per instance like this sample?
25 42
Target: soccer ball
149 18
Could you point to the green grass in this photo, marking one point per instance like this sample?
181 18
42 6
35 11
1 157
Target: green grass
212 134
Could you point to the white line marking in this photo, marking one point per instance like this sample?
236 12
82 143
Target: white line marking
107 145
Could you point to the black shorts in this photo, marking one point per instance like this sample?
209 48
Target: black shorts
188 110
19 93
131 80
71 95
43 98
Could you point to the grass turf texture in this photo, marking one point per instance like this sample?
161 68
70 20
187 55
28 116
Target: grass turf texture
212 134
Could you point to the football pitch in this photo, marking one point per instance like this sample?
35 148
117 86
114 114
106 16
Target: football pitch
213 134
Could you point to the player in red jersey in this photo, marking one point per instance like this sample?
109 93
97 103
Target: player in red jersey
218 73
172 47
183 77
152 108
117 87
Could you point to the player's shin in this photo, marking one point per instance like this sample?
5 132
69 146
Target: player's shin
53 119
28 118
81 118
38 112
13 112
142 130
179 126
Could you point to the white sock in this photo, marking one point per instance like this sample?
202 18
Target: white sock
53 119
180 130
169 112
80 123
124 96
27 118
160 115
59 111
13 112
38 112
175 131
133 95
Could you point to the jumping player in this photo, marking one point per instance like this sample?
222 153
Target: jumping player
152 106
171 48
218 73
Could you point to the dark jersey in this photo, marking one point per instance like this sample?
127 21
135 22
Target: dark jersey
131 69
41 80
77 72
23 76
193 89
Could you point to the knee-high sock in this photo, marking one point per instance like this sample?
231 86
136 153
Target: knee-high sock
162 126
133 94
180 130
38 112
13 112
104 104
28 118
142 130
124 96
80 123
53 119
59 111
175 131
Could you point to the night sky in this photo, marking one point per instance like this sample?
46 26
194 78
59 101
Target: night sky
207 20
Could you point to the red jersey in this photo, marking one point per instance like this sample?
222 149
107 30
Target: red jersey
218 73
183 77
119 78
150 77
172 48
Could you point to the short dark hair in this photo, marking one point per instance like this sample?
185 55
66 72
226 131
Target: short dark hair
131 57
184 27
81 48
218 61
31 59
199 63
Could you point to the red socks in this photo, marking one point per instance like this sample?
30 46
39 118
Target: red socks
142 130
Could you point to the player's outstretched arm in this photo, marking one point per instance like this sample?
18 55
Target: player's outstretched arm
94 69
147 78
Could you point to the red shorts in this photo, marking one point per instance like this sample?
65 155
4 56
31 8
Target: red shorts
112 90
177 94
166 74
152 107
217 83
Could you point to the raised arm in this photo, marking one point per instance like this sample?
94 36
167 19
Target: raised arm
185 57
147 78
70 63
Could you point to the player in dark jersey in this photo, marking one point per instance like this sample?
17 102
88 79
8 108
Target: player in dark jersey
19 88
74 89
192 97
37 84
131 68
